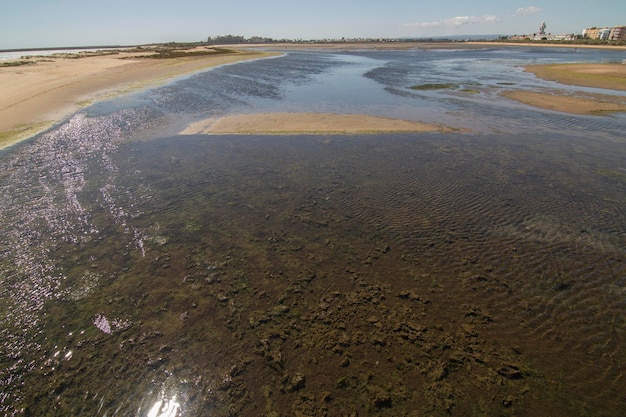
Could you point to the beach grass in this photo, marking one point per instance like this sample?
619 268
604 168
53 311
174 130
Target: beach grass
169 52
15 63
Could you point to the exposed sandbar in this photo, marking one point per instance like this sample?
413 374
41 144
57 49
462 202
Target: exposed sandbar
308 123
596 104
36 95
605 76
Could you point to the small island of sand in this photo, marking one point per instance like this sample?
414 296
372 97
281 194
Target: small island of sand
604 76
307 123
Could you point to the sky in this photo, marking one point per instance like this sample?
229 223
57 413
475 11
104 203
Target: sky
56 23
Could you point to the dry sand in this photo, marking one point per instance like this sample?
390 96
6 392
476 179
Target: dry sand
35 96
308 123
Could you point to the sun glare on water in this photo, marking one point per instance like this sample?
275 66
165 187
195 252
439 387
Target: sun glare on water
165 408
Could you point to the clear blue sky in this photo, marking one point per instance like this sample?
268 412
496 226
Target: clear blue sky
43 23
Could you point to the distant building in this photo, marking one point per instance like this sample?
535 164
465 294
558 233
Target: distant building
541 36
591 33
605 33
598 33
618 33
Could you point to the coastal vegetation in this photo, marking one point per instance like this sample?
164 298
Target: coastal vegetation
182 52
15 63
469 89
158 51
22 132
435 86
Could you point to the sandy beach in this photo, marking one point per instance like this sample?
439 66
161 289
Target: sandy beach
36 95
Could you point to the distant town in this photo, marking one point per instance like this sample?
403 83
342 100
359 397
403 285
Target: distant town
592 35
617 33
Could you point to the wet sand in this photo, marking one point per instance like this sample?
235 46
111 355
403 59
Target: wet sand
605 76
36 95
308 123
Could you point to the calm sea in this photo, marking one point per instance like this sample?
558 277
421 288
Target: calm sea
483 272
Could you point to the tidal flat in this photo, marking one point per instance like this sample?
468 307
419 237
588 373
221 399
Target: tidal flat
474 271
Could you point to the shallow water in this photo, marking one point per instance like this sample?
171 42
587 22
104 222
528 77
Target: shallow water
482 273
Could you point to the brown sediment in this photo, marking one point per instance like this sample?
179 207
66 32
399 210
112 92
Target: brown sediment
308 123
51 88
380 276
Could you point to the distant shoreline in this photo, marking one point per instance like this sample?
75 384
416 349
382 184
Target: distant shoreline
552 45
401 45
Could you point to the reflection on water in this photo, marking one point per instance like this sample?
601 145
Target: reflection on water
164 408
466 274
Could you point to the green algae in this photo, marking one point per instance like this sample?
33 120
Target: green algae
434 86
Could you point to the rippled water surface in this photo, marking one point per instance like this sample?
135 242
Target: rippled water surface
152 274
